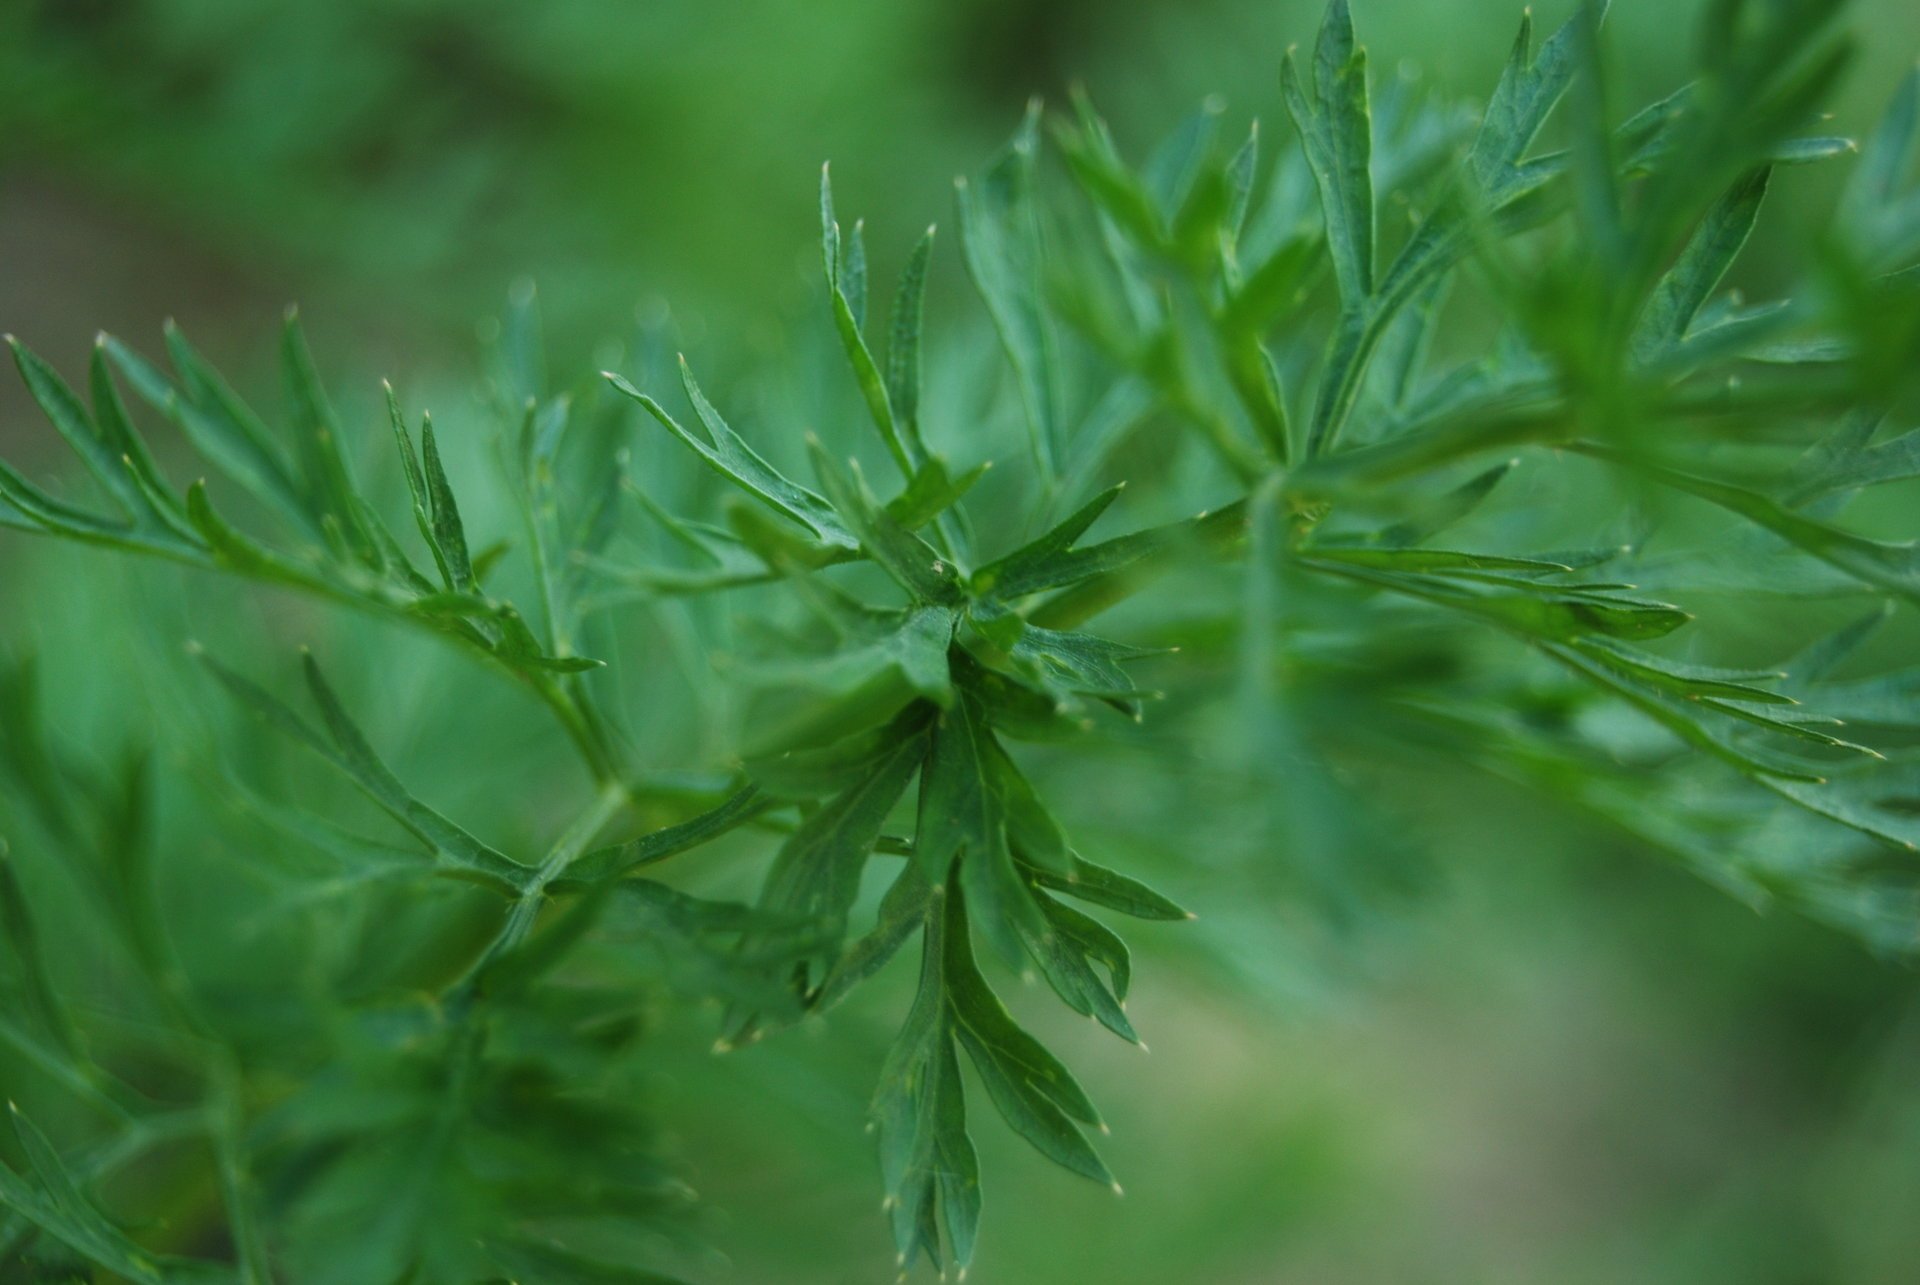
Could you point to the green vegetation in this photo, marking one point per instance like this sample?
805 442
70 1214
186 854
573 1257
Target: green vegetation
1431 445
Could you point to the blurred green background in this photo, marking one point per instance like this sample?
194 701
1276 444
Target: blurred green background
1560 1061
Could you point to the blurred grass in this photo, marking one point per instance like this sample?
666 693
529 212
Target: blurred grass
1565 1063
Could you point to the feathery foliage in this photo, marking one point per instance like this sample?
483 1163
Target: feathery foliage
1377 538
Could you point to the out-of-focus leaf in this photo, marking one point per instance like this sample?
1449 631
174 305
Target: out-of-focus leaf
1000 241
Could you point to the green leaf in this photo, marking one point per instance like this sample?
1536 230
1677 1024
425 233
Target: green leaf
908 905
449 535
317 431
914 564
1241 169
817 870
963 826
55 1204
853 276
1396 559
1033 1091
116 427
1066 665
343 745
1528 91
1892 567
903 344
1542 611
1099 886
1046 564
1680 717
245 555
1121 195
927 1162
814 700
847 293
40 997
68 414
1686 679
931 492
1000 242
1336 130
1685 288
1435 516
1033 560
221 427
603 865
733 459
1845 462
1068 953
416 486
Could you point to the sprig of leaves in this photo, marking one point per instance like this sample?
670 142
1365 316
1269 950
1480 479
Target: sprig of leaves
1357 458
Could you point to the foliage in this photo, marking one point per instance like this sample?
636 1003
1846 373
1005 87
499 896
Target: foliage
1362 589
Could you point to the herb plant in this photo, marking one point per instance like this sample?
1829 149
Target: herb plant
1379 536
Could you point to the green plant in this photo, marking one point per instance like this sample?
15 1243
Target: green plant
1201 324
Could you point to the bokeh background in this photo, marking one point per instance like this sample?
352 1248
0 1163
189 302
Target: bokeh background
1558 1061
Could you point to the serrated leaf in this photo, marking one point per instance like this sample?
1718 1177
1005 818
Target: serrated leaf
963 828
65 411
1530 87
220 426
1892 567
